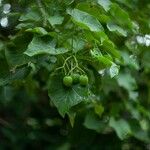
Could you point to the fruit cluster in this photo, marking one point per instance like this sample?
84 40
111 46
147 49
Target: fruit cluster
74 79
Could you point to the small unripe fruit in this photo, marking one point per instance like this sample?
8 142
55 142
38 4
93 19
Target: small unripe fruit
67 81
75 78
83 80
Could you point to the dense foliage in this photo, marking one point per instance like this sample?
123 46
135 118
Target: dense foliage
74 74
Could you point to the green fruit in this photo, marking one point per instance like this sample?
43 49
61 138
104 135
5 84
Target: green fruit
83 80
67 81
75 78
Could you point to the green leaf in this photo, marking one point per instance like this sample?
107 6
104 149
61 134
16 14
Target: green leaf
104 60
130 60
93 122
14 51
68 2
85 20
99 109
38 30
109 47
133 95
93 10
55 20
138 132
97 37
24 25
31 15
43 45
114 70
18 74
121 127
121 16
127 81
99 61
133 110
115 28
105 4
15 58
144 124
76 43
64 98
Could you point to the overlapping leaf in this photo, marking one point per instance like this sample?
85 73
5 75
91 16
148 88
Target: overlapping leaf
64 98
41 45
85 20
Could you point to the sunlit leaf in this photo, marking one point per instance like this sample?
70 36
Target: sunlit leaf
105 4
85 20
43 46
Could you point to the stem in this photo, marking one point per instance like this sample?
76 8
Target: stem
75 60
77 65
59 68
72 70
72 44
68 59
82 58
65 71
67 66
81 69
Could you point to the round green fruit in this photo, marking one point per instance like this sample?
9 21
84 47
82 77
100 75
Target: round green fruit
67 81
75 78
84 80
